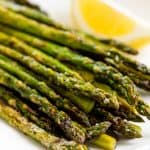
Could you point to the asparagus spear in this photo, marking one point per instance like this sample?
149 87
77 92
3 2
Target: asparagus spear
43 122
36 15
71 84
122 127
110 43
24 3
48 140
106 73
31 13
141 80
26 110
68 39
71 129
42 87
119 45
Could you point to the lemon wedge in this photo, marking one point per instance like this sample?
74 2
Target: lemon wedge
104 18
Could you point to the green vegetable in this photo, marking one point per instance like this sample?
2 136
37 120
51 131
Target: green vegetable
43 122
48 140
42 87
39 56
71 129
71 84
126 129
24 3
30 12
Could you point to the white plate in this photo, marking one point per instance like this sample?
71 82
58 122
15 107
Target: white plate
14 140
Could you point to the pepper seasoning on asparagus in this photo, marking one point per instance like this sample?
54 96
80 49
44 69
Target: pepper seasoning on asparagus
50 141
71 84
61 103
71 129
67 38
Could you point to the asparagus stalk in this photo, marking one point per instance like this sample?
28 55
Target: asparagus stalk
27 111
68 39
43 122
110 43
42 87
71 84
24 3
31 13
126 129
119 45
36 15
50 141
140 79
106 73
71 129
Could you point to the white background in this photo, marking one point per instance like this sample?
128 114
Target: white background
14 140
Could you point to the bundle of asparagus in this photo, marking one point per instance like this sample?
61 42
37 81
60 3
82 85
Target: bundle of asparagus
54 94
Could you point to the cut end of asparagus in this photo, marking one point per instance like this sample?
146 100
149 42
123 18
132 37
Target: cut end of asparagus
105 141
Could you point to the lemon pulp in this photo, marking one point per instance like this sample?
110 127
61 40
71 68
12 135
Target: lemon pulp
140 42
104 19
